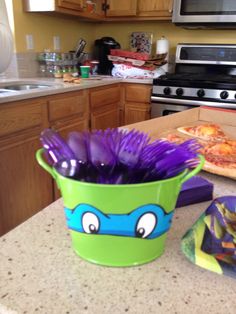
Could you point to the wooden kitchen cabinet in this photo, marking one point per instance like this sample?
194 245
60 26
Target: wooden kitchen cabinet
24 187
121 8
137 106
158 8
86 10
104 107
139 9
105 10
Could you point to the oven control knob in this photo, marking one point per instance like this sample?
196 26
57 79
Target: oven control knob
179 91
201 93
167 91
224 94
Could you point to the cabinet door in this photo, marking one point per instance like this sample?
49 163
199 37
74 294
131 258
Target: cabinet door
106 117
103 96
162 8
89 10
98 8
121 8
137 102
76 5
137 93
25 187
136 113
105 107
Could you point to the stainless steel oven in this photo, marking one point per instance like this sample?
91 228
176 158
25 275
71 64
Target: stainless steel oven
202 13
161 109
205 75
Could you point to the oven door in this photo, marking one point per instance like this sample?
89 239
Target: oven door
202 11
189 103
160 110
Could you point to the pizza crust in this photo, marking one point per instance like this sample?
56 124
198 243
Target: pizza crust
205 132
184 131
226 172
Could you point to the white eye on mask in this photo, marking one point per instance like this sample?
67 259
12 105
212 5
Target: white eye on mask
146 224
90 223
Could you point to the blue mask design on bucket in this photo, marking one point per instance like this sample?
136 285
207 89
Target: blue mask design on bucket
148 221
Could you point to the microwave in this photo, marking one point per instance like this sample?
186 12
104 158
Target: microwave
204 13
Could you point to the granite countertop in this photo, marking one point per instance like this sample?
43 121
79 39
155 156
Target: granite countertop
40 273
57 86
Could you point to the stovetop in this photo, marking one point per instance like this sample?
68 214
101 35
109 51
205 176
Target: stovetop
211 81
203 74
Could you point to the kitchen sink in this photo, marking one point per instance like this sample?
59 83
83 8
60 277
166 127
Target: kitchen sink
20 86
25 86
3 90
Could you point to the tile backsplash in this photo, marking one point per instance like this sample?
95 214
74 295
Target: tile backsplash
22 65
12 70
25 65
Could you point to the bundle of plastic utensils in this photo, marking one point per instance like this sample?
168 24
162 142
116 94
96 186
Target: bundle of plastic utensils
116 156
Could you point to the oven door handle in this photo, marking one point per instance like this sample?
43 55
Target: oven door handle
192 103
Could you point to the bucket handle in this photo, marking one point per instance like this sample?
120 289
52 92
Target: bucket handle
195 170
43 164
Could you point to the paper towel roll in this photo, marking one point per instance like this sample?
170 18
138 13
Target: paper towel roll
162 45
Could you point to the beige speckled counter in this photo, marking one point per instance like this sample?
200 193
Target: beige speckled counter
40 273
56 86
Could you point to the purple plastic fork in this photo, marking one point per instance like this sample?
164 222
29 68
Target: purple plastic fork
59 153
131 147
115 156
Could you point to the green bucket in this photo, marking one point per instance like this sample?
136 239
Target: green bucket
119 225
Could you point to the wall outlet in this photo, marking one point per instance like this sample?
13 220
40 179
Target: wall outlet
29 41
56 43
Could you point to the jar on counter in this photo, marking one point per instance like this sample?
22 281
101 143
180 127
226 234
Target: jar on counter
57 72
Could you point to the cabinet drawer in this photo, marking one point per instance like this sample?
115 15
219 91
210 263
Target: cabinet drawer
67 123
106 118
104 96
15 118
138 93
65 106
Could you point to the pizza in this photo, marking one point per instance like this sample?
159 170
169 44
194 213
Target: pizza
173 137
219 152
211 131
220 158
